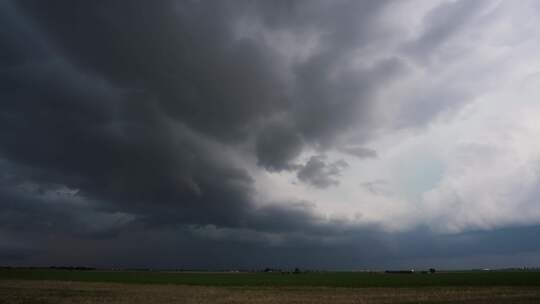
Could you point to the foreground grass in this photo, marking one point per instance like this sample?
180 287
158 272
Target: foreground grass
61 292
312 279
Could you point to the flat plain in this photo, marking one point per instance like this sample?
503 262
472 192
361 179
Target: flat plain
71 286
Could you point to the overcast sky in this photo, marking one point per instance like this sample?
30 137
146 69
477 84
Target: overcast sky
251 134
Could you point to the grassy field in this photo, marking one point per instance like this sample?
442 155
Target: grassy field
71 286
313 279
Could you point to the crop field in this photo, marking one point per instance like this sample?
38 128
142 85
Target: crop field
276 279
71 286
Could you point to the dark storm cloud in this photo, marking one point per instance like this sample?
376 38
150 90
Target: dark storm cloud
186 56
183 54
321 173
114 145
330 93
131 103
117 119
276 145
356 249
331 104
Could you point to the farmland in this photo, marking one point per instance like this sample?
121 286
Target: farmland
276 279
72 286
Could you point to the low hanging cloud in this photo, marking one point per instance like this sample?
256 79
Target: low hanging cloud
320 173
277 146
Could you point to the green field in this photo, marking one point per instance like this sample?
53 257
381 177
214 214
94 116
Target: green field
48 286
312 279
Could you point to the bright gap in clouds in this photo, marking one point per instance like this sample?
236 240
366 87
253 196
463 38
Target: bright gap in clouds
472 167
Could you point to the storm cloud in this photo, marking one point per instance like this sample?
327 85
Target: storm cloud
217 129
319 173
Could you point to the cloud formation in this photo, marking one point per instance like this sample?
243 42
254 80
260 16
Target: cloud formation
243 126
319 173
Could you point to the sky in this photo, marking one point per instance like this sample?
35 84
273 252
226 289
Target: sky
251 134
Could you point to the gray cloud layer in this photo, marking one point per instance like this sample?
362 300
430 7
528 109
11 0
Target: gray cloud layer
119 119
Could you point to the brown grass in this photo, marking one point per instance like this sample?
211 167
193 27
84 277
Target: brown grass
30 292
